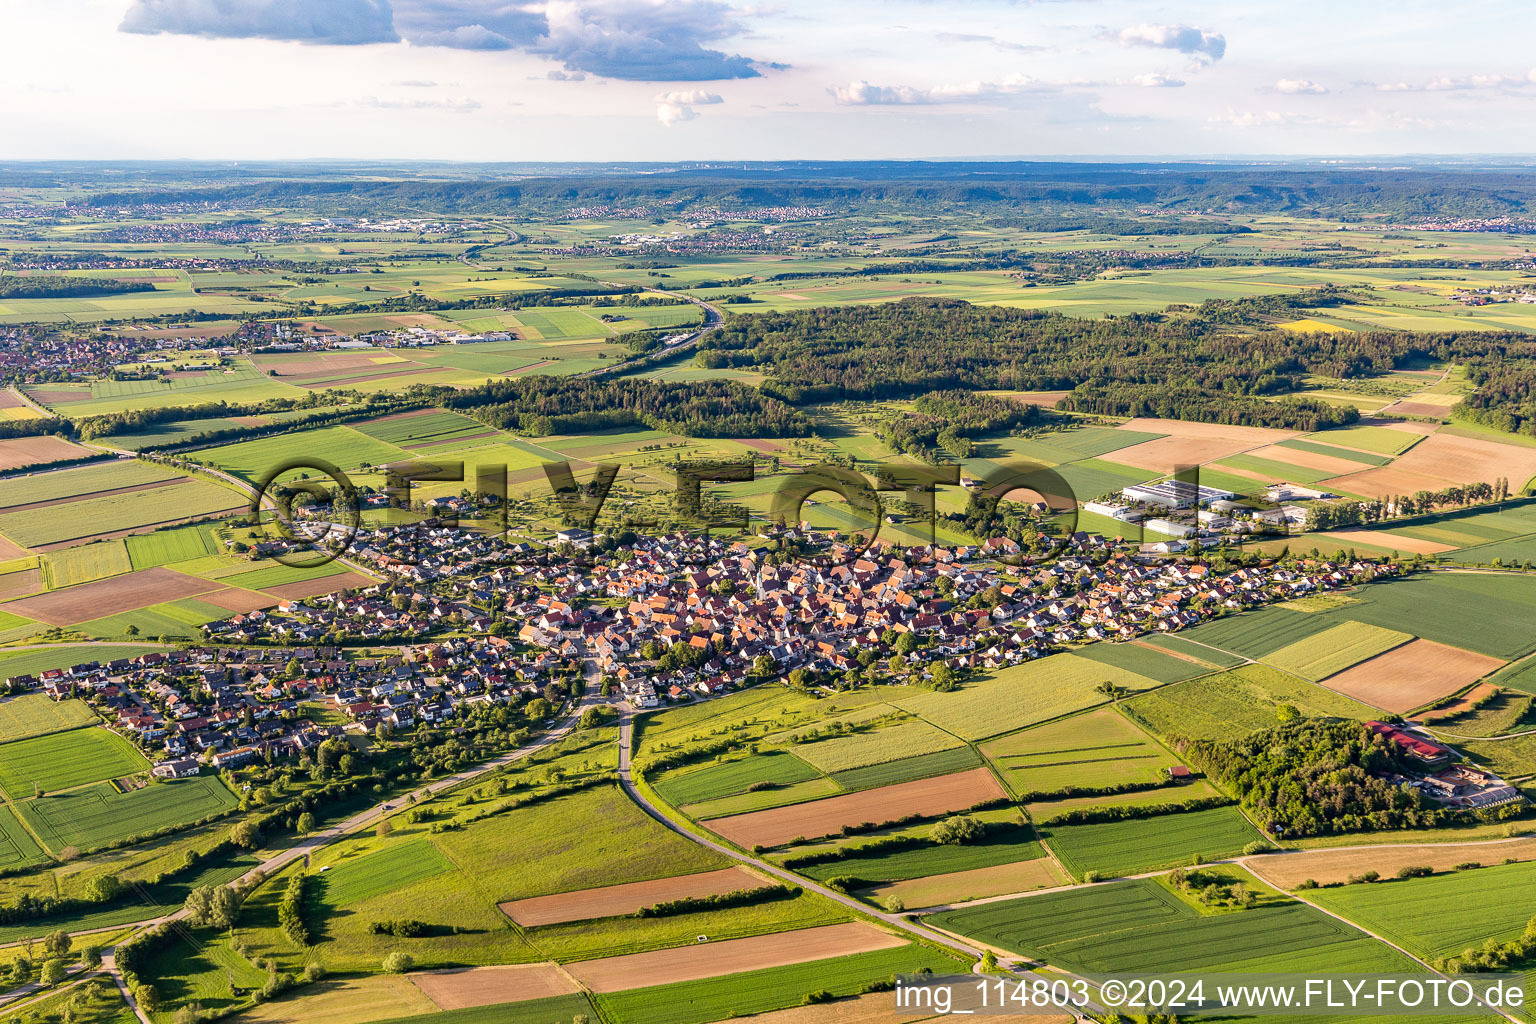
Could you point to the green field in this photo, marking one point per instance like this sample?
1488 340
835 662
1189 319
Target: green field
278 575
31 663
549 1010
36 714
343 447
721 780
436 427
907 769
1335 649
1487 613
1144 844
373 874
163 547
1179 644
65 760
17 847
1257 633
1364 458
1450 912
1229 703
877 746
1381 440
1020 695
1141 926
1005 843
70 483
1097 750
97 561
698 1002
99 815
1143 661
125 511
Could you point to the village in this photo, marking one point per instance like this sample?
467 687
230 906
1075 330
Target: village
466 618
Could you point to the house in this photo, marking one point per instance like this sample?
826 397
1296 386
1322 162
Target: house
180 768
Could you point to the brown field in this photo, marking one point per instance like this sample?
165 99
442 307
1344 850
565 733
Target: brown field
409 414
978 883
526 366
20 452
1440 460
239 601
875 1008
1311 460
313 365
341 382
58 396
108 597
11 400
1323 866
1390 541
613 900
1465 701
1167 454
1251 437
730 956
27 581
779 825
1418 409
343 1001
486 986
9 550
324 585
1412 675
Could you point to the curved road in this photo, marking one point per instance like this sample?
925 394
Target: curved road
626 779
713 319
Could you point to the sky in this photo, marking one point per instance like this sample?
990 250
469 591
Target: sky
633 80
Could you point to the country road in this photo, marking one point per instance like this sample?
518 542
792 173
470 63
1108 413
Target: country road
626 779
713 319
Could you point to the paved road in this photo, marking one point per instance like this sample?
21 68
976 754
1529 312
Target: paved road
713 318
626 779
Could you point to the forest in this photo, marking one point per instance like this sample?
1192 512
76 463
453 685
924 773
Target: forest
49 286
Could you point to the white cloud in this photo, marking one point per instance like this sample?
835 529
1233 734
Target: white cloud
1299 87
326 22
1190 39
674 107
862 94
1157 80
453 106
1456 83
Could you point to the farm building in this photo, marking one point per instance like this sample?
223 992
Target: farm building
1174 493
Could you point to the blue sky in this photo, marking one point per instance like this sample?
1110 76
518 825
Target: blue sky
777 79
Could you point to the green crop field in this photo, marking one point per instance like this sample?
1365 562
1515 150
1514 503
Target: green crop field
343 447
436 426
71 483
373 874
1381 440
278 575
907 769
99 815
125 511
1444 914
698 1002
1092 751
96 561
1143 844
31 663
1004 844
162 547
1242 700
1336 452
1269 469
1335 649
1141 926
17 847
1487 613
1257 633
37 714
1179 644
1020 695
1144 661
64 760
877 746
732 777
741 803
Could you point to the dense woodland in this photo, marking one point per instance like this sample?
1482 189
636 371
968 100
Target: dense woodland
50 286
946 421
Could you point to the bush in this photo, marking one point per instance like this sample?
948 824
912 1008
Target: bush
398 962
313 973
404 928
1256 847
958 830
1309 883
1093 876
1415 872
821 995
1366 877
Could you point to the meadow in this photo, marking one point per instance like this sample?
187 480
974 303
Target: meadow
17 847
1144 844
64 760
1242 700
163 547
374 874
126 510
36 714
876 746
729 778
343 447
